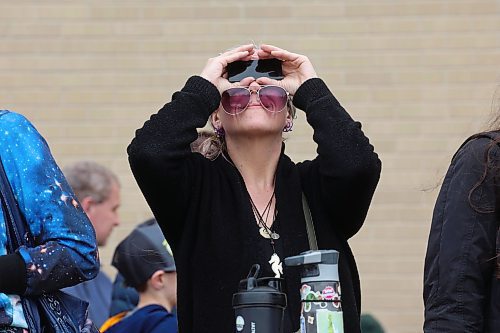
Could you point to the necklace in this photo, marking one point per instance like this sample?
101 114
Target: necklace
266 232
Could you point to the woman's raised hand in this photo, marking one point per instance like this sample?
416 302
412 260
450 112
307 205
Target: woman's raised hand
215 68
296 68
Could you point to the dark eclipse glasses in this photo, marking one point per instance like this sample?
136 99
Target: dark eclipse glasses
238 70
236 100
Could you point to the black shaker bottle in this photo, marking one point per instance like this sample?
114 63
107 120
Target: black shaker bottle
320 292
259 304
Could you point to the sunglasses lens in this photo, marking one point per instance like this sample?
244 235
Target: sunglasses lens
273 98
235 100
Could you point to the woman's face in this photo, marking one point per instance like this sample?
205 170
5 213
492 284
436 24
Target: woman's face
254 120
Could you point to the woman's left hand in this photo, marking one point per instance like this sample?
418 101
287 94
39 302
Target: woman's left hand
215 68
297 68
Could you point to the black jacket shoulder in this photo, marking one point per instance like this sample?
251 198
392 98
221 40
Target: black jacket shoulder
460 286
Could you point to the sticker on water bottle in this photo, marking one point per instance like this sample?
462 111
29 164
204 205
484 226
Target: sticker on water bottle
302 325
329 321
240 323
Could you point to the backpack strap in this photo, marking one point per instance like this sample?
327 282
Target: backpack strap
15 225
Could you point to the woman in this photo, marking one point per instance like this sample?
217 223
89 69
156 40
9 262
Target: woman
245 207
66 251
462 264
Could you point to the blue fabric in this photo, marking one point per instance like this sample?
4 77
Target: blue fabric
66 251
97 293
123 298
149 319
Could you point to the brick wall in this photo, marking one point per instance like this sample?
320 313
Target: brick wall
420 75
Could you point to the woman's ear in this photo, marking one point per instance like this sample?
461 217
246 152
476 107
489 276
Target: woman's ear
292 110
215 119
287 127
290 116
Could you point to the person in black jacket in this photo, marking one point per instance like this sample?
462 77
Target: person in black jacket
221 216
462 264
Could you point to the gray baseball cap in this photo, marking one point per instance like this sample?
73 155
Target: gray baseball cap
143 252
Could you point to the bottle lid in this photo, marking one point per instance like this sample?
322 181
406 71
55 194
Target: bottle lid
254 291
260 296
328 257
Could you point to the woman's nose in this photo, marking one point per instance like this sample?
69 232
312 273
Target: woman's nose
254 86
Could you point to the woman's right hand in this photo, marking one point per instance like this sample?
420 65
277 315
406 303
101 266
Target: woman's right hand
297 68
216 67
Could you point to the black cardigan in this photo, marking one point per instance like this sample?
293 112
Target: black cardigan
203 208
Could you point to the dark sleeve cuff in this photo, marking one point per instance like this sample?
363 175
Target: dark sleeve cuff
12 274
204 88
310 91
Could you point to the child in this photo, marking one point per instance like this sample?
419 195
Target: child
145 261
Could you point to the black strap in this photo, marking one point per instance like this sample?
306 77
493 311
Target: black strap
15 224
311 234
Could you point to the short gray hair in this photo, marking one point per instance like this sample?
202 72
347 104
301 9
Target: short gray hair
90 179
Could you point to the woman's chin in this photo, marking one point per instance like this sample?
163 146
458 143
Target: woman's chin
259 131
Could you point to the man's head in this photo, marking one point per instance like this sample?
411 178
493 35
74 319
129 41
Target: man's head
145 260
98 190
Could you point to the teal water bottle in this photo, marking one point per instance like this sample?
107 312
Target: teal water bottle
320 292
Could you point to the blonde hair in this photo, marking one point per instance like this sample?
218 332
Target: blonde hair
212 147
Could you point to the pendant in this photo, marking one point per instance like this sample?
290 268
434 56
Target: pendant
276 265
263 232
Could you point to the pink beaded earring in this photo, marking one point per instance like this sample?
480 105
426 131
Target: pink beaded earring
219 132
288 126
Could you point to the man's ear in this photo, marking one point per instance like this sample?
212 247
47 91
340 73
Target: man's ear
87 204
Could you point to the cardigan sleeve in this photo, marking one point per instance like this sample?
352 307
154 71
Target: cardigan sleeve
346 170
65 251
160 156
461 251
